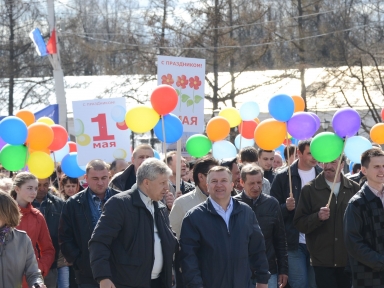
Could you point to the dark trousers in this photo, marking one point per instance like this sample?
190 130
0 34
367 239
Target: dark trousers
330 277
156 283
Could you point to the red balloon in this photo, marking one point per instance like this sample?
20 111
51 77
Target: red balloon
382 114
121 125
247 129
72 146
60 137
164 99
286 143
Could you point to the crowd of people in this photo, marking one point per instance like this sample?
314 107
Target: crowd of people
254 220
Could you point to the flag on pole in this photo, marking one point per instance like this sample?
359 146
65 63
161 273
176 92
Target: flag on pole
38 40
51 45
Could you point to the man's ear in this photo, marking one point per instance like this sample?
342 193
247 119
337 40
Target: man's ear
364 170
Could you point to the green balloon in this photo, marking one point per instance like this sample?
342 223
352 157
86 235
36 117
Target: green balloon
198 145
13 157
326 147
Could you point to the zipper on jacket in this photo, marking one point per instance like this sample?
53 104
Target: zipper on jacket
2 264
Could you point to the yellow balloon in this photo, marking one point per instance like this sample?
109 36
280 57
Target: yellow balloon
141 118
83 139
40 164
232 115
46 120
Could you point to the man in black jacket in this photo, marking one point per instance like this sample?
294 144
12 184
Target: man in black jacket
265 161
50 206
221 241
78 219
364 222
133 244
303 170
271 222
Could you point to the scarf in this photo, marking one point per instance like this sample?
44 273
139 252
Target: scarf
4 231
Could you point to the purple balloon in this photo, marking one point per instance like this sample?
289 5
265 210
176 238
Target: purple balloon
2 143
346 122
302 125
318 122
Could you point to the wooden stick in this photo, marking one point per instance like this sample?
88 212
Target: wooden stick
336 174
289 167
57 176
241 127
178 165
164 139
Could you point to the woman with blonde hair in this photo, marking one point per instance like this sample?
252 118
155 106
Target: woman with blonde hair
24 192
16 252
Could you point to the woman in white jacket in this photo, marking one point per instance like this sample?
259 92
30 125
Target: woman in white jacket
17 257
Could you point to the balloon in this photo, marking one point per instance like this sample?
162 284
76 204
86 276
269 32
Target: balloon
2 143
58 155
257 120
244 142
294 141
247 129
198 145
27 116
156 154
46 120
377 133
232 115
60 137
172 126
299 103
119 154
326 147
281 107
355 146
223 149
351 167
72 146
13 130
70 167
318 122
46 151
302 125
382 114
41 165
217 128
270 134
83 140
79 127
280 150
118 113
40 136
122 125
13 157
249 110
163 99
141 118
346 122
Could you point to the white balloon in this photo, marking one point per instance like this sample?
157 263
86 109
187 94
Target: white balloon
60 154
244 142
223 149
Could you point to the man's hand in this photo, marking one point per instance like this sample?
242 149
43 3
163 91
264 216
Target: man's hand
282 280
259 285
290 202
106 283
324 213
178 194
169 199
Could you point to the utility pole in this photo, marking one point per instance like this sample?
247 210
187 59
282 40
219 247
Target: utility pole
58 74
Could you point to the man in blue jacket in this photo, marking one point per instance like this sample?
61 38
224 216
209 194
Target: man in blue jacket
221 241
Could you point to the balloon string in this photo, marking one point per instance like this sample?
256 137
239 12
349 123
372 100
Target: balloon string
241 128
26 157
289 166
164 139
57 176
337 173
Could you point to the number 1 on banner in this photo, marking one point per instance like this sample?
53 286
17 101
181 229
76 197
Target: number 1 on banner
103 132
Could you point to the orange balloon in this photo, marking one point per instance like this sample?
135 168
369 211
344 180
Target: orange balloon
377 133
27 116
257 120
45 150
299 103
217 128
40 136
270 134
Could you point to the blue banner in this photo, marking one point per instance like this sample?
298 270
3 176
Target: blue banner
51 111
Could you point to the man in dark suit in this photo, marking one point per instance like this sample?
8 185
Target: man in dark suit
78 219
133 244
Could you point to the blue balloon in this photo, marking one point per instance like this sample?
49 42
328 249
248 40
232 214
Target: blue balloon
156 154
223 149
118 113
355 146
281 107
70 167
351 166
244 142
280 150
173 129
13 130
294 141
249 110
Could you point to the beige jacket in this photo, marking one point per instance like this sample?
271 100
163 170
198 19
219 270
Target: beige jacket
17 258
182 205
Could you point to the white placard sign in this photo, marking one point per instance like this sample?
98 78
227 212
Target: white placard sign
187 76
100 130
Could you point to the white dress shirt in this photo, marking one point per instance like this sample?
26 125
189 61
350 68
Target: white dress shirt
225 214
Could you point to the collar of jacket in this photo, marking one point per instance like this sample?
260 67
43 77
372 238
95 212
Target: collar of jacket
136 200
368 193
211 209
81 196
29 209
124 175
321 184
247 200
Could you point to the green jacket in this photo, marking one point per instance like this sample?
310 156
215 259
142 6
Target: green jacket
325 239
